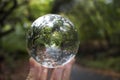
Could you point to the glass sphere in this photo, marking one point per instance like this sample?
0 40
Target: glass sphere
52 40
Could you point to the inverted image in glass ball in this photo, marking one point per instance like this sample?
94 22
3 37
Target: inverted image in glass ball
52 40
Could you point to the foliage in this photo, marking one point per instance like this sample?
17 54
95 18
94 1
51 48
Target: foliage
15 41
97 19
39 8
107 64
18 21
94 19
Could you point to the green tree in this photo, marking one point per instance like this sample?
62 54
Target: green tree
97 19
15 17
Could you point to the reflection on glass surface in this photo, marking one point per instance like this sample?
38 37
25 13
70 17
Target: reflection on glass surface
52 40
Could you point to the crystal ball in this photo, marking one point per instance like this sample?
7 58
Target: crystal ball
52 40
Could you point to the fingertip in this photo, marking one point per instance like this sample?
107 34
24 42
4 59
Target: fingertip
44 72
57 73
67 70
72 61
32 62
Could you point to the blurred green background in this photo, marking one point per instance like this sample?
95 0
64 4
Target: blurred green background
98 23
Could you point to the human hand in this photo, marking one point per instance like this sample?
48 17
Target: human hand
38 72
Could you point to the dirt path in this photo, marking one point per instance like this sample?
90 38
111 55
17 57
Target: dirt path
80 73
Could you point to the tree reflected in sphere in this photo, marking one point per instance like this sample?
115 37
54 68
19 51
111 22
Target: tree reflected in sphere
52 40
